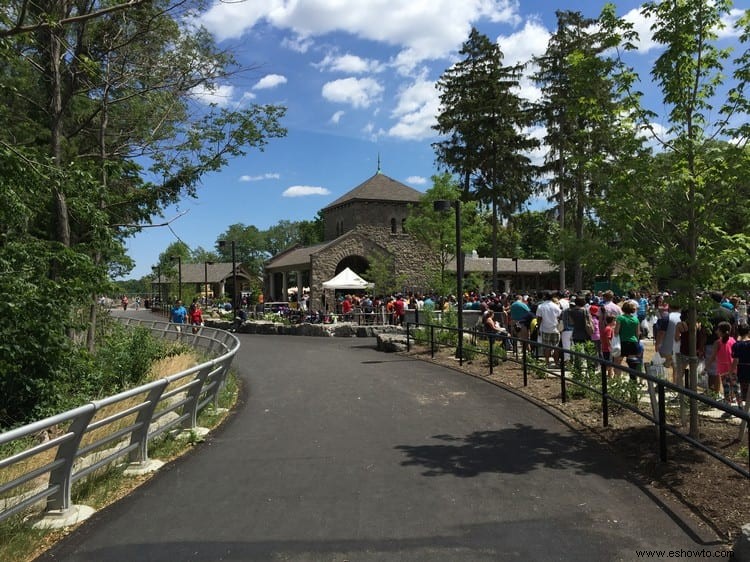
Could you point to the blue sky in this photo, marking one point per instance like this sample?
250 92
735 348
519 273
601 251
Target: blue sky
358 80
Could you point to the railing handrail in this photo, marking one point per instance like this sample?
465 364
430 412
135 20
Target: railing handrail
659 418
182 401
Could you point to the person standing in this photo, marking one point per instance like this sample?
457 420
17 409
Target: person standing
717 315
196 317
548 313
741 363
628 328
723 359
179 315
579 319
666 342
124 302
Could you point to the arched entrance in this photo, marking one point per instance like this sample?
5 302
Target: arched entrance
358 264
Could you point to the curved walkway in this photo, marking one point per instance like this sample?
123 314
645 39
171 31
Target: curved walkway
338 452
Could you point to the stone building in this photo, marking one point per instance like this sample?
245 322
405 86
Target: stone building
366 222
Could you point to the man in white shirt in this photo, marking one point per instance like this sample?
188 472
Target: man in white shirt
548 313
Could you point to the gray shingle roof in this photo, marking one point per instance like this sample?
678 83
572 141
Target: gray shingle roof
295 256
379 188
504 265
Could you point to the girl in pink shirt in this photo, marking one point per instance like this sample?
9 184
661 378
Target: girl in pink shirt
723 358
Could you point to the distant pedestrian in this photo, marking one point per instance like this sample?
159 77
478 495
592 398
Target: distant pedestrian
196 317
179 315
124 302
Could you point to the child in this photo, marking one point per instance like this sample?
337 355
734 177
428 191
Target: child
723 357
606 336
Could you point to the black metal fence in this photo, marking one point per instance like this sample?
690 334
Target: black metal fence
501 348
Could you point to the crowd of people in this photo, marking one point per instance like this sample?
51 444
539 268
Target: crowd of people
616 325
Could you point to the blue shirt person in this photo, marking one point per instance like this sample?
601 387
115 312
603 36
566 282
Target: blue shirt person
179 313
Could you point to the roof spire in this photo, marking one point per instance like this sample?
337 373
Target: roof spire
378 172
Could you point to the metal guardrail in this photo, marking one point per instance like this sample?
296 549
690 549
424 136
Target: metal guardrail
659 417
91 436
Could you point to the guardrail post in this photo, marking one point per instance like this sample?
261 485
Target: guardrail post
193 395
662 424
61 476
143 420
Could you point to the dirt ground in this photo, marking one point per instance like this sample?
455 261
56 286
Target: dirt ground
716 496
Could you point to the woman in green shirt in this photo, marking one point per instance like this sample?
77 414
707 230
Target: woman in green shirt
628 328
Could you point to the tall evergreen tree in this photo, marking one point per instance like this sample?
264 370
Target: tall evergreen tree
485 122
582 108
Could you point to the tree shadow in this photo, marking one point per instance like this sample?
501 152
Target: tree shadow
517 450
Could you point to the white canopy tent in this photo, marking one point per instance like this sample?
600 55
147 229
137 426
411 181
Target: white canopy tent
347 279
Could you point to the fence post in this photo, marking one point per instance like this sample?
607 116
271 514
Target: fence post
432 341
563 389
492 357
143 422
605 396
61 477
662 424
408 343
525 366
193 397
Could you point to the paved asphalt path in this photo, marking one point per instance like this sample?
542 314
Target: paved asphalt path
338 452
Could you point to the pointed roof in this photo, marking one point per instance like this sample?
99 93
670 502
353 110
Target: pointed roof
379 188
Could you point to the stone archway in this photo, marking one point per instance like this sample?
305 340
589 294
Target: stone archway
358 264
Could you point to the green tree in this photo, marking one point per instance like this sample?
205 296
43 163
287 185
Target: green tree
437 230
582 108
485 122
535 233
382 273
311 232
683 193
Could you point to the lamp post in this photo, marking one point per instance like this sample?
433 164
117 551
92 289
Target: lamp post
515 280
442 206
222 244
157 269
179 275
205 280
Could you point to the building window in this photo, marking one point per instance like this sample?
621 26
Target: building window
393 226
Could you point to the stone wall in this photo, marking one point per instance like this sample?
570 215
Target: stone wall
357 214
411 259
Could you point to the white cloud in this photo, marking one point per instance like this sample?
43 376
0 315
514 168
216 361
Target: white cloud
350 64
729 21
416 111
247 97
423 29
266 176
336 117
297 44
219 95
304 190
270 81
416 180
642 26
522 46
357 92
